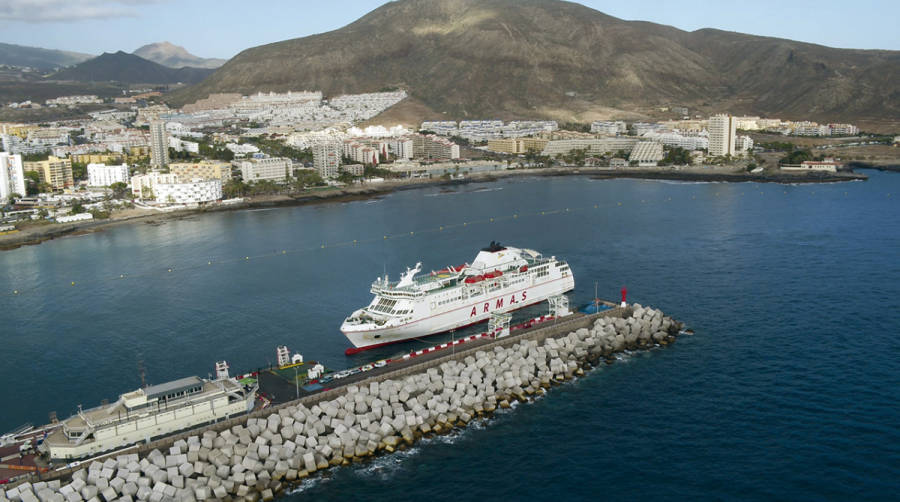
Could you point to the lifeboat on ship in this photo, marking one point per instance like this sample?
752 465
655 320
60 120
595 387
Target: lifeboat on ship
523 268
472 279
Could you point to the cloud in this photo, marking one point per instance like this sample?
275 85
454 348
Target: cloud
53 11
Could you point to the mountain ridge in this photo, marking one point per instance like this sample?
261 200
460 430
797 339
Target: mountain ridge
128 68
175 56
555 59
38 57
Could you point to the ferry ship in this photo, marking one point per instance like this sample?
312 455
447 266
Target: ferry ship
148 413
500 279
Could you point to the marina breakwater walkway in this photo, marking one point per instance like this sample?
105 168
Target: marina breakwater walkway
261 454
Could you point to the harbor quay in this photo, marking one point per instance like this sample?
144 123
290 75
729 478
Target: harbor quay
261 454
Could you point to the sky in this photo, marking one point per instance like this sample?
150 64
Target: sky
222 28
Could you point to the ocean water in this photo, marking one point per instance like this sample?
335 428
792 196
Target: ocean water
789 389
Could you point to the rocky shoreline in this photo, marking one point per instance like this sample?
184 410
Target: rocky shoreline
36 235
268 455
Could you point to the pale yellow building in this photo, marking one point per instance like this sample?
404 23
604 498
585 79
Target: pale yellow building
517 146
503 145
534 144
204 170
54 171
20 130
98 158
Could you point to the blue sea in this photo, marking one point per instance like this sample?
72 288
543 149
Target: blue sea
788 390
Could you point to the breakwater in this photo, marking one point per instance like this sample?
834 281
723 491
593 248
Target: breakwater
258 456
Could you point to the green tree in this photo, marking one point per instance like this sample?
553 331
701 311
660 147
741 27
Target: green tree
234 188
306 178
676 156
78 207
119 190
345 177
79 170
796 157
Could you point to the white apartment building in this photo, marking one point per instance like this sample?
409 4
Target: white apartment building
443 127
270 168
354 169
74 100
747 123
144 186
101 175
180 145
647 153
193 192
159 144
402 148
243 149
609 127
596 146
743 144
365 153
327 159
642 128
12 177
843 129
676 139
438 148
721 135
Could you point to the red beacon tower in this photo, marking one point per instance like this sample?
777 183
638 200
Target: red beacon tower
624 294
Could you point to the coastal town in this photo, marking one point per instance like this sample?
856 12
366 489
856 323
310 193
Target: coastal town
139 156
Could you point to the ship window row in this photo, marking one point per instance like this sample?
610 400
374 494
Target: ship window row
448 300
185 392
385 305
542 271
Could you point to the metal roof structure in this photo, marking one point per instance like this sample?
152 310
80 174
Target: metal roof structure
173 386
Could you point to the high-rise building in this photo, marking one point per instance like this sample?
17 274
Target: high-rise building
327 159
159 144
721 135
12 176
54 171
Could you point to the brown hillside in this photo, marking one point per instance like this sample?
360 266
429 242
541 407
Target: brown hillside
529 58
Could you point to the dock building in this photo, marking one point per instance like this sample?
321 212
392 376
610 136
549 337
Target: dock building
147 413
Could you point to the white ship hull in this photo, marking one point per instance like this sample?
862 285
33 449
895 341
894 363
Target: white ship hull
463 304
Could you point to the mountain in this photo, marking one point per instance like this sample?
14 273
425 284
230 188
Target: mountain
174 56
35 57
549 58
129 69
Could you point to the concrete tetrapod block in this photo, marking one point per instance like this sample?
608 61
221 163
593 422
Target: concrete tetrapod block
309 462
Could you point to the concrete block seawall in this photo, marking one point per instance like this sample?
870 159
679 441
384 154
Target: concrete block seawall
259 455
